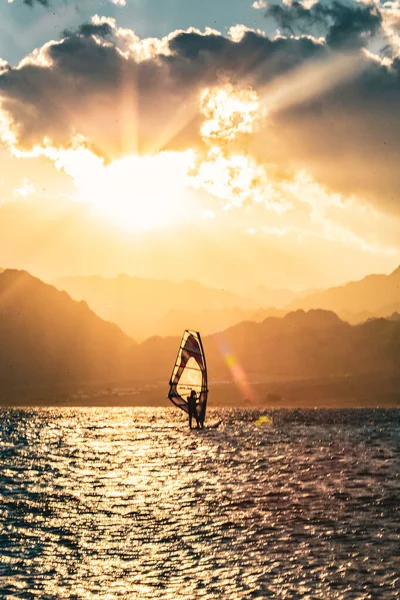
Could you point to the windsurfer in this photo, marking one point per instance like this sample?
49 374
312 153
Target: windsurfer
192 408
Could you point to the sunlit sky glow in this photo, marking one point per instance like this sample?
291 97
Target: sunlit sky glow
261 138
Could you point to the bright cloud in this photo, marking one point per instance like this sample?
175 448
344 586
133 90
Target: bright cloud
228 112
25 190
259 4
226 173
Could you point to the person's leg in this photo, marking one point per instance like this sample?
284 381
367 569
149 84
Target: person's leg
190 419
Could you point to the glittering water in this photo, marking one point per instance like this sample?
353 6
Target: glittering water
127 503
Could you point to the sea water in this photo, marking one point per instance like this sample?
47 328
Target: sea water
129 503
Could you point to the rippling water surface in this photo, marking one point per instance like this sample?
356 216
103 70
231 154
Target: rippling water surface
128 503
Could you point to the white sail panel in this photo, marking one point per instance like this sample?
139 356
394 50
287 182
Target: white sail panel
191 378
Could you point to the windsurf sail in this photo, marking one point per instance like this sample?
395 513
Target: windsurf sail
190 373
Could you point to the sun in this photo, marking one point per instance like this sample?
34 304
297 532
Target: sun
142 192
134 192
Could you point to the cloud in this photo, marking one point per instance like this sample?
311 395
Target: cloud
332 106
26 189
32 2
259 4
3 65
390 12
101 29
122 93
341 24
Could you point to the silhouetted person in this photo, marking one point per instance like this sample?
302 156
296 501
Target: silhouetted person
192 408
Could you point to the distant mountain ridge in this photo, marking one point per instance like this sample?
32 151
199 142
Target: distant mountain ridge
46 337
276 298
211 321
138 305
301 345
374 295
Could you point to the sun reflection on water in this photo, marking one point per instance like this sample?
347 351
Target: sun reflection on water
128 503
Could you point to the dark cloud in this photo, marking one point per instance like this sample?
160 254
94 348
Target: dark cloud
346 135
119 103
192 46
255 57
343 25
32 2
87 29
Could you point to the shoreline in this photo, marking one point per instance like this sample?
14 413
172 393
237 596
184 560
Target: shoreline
355 404
365 391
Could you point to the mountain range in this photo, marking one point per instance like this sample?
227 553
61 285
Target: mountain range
46 337
373 296
267 297
145 307
212 320
300 345
49 339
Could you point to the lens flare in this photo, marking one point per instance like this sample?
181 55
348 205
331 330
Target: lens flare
264 421
238 373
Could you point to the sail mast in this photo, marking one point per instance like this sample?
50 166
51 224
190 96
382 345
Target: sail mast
202 413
